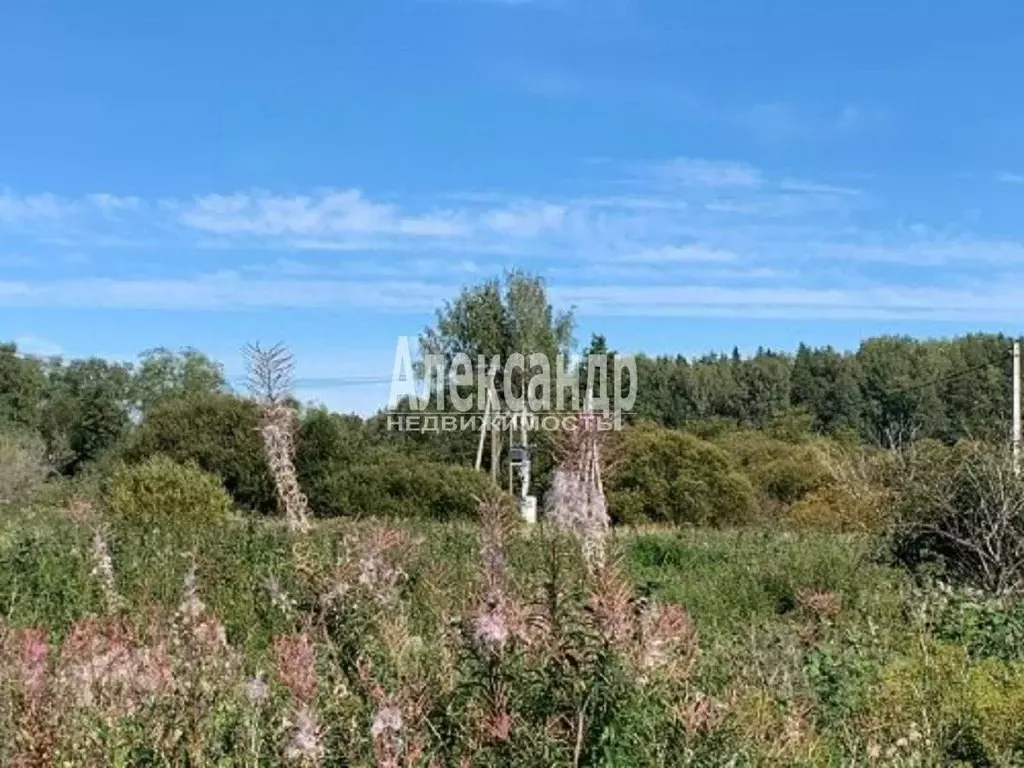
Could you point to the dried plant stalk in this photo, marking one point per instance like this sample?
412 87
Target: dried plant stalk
270 373
576 501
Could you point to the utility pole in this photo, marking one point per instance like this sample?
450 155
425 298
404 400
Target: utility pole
483 432
1016 407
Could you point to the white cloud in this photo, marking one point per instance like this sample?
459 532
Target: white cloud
925 251
526 219
681 253
336 212
811 187
14 208
112 203
697 172
1006 177
49 207
223 291
689 236
228 291
794 303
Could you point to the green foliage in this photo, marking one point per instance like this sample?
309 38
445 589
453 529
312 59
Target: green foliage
396 485
500 317
22 382
325 444
827 384
732 580
23 467
839 676
162 374
667 476
217 432
85 411
896 676
883 392
782 472
986 627
162 494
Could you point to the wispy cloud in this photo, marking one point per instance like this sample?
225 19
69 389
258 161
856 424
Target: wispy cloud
332 212
718 236
698 172
1006 177
231 291
223 291
48 207
681 253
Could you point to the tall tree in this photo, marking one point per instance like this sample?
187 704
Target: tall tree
85 410
900 388
162 373
764 387
22 382
499 318
827 384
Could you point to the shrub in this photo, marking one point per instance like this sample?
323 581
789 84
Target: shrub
163 494
963 511
396 485
218 433
987 627
781 472
23 467
666 476
325 444
855 496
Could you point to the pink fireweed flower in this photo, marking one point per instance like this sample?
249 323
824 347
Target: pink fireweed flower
191 607
387 736
104 664
103 568
296 666
256 689
34 652
491 631
305 745
388 720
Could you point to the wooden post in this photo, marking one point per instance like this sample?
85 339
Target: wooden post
495 447
483 432
1016 407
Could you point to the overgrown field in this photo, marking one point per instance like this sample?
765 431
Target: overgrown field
240 643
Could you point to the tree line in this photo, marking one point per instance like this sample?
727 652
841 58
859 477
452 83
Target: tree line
892 388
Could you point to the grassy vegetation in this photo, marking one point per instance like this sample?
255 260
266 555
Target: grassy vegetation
399 645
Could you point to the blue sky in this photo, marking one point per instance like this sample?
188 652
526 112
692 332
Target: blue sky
689 175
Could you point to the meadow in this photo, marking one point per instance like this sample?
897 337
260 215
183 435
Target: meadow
791 560
240 643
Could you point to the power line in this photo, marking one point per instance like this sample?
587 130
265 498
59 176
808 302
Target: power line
941 379
329 382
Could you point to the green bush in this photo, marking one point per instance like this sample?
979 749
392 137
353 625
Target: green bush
781 472
23 467
162 494
396 485
218 433
326 443
666 476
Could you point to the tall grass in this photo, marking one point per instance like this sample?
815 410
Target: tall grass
368 643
